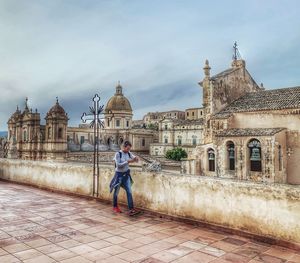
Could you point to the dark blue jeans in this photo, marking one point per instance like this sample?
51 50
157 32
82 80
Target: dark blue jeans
125 182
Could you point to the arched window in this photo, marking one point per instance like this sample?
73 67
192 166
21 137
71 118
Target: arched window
60 133
24 135
49 132
255 155
166 139
211 160
108 122
143 142
230 155
194 140
179 140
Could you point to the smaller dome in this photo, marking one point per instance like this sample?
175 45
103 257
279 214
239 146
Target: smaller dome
56 111
15 116
118 102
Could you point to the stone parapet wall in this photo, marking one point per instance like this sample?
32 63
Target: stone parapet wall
271 210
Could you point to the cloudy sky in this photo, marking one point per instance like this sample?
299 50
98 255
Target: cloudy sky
74 48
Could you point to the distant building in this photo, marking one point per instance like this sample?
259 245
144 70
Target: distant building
30 140
117 128
151 119
194 114
186 134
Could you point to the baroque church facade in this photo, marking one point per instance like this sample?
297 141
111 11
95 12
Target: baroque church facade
117 128
249 133
29 140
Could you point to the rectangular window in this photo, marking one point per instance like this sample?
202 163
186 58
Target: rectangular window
127 123
81 139
117 123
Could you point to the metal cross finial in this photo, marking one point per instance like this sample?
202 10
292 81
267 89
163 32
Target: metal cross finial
95 116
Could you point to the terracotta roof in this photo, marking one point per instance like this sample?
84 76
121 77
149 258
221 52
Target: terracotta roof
277 99
237 132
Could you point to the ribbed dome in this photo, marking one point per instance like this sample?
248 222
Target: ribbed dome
56 111
15 116
118 102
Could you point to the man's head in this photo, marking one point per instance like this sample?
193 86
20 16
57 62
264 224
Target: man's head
126 146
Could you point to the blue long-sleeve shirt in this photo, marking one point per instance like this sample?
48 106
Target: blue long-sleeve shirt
122 164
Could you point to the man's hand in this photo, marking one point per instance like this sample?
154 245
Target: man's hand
135 159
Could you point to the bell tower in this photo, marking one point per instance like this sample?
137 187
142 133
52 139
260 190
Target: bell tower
207 87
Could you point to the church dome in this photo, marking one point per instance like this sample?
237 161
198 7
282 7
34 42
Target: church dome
56 111
118 102
13 118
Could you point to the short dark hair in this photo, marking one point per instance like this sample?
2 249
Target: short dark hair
127 143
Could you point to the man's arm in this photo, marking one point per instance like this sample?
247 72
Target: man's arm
134 157
117 159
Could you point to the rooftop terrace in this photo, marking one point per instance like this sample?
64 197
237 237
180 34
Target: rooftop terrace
41 226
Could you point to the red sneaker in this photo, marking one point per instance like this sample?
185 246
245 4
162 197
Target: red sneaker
117 210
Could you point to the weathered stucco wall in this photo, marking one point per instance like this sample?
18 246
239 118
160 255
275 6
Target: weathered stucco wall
270 210
69 177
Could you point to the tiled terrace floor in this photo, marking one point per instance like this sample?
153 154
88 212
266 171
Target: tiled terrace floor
40 226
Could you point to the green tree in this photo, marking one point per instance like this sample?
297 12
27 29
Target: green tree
176 154
152 126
